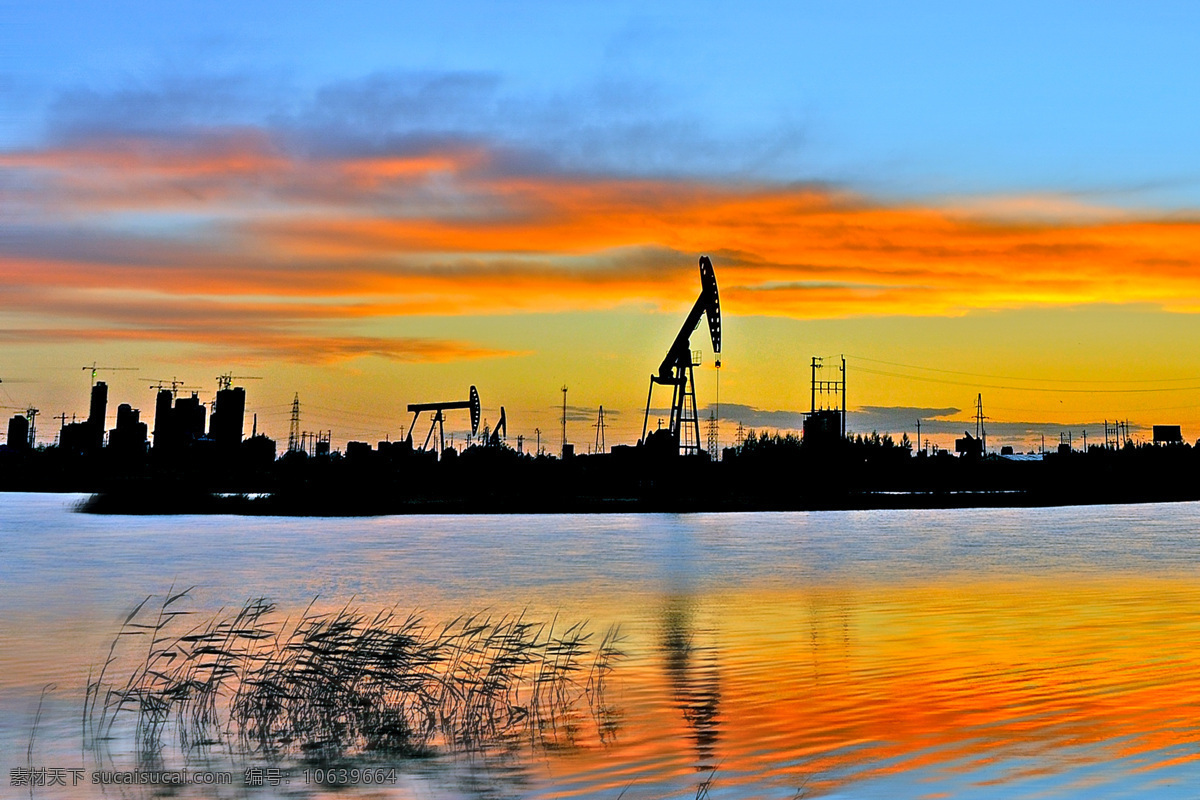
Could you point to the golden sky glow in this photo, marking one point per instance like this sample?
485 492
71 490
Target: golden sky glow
229 248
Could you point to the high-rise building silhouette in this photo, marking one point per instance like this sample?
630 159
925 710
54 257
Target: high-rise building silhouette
18 433
163 419
87 436
175 426
99 405
190 416
129 437
228 418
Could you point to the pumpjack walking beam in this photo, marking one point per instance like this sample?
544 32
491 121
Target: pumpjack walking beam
497 438
439 418
677 368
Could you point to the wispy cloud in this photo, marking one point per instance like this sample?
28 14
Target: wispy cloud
889 419
751 417
220 345
587 413
387 196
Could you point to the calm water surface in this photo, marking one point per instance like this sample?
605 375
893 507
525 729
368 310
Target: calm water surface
1048 653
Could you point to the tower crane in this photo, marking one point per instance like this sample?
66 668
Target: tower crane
175 385
226 380
31 418
682 435
94 369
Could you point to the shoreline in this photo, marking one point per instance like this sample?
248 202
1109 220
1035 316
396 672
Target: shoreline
266 504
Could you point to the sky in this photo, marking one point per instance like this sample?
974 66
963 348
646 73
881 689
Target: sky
375 204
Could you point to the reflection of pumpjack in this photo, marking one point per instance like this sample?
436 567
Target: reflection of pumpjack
695 679
676 370
439 418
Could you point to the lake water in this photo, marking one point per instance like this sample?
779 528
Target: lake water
992 653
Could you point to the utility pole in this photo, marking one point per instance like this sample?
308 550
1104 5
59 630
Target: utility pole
538 450
563 452
918 435
816 364
843 397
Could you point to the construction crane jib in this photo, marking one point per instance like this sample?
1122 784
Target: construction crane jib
682 435
92 368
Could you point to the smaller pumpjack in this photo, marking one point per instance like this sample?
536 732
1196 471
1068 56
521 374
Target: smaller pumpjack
676 371
496 438
439 418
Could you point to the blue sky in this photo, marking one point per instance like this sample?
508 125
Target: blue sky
895 100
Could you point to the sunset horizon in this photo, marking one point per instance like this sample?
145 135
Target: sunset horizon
370 227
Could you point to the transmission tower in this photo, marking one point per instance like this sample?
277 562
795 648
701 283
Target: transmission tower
711 431
980 431
599 426
294 430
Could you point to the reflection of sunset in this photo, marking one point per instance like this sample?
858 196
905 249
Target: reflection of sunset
854 654
845 684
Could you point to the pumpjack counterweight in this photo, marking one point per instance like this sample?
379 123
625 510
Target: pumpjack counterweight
677 370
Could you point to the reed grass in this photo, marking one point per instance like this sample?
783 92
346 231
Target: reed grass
350 682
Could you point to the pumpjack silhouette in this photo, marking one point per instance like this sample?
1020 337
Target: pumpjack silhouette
677 370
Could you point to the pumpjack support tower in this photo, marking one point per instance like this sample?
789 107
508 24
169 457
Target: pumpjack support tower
677 370
439 418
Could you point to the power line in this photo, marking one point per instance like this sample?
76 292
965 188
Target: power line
362 415
1017 378
1049 389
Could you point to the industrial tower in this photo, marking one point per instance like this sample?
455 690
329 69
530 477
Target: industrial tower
682 435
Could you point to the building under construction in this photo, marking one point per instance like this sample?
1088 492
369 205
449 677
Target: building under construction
87 436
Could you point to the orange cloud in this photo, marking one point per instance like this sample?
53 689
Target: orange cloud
236 219
219 343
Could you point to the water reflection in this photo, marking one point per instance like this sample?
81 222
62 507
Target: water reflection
960 654
690 660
